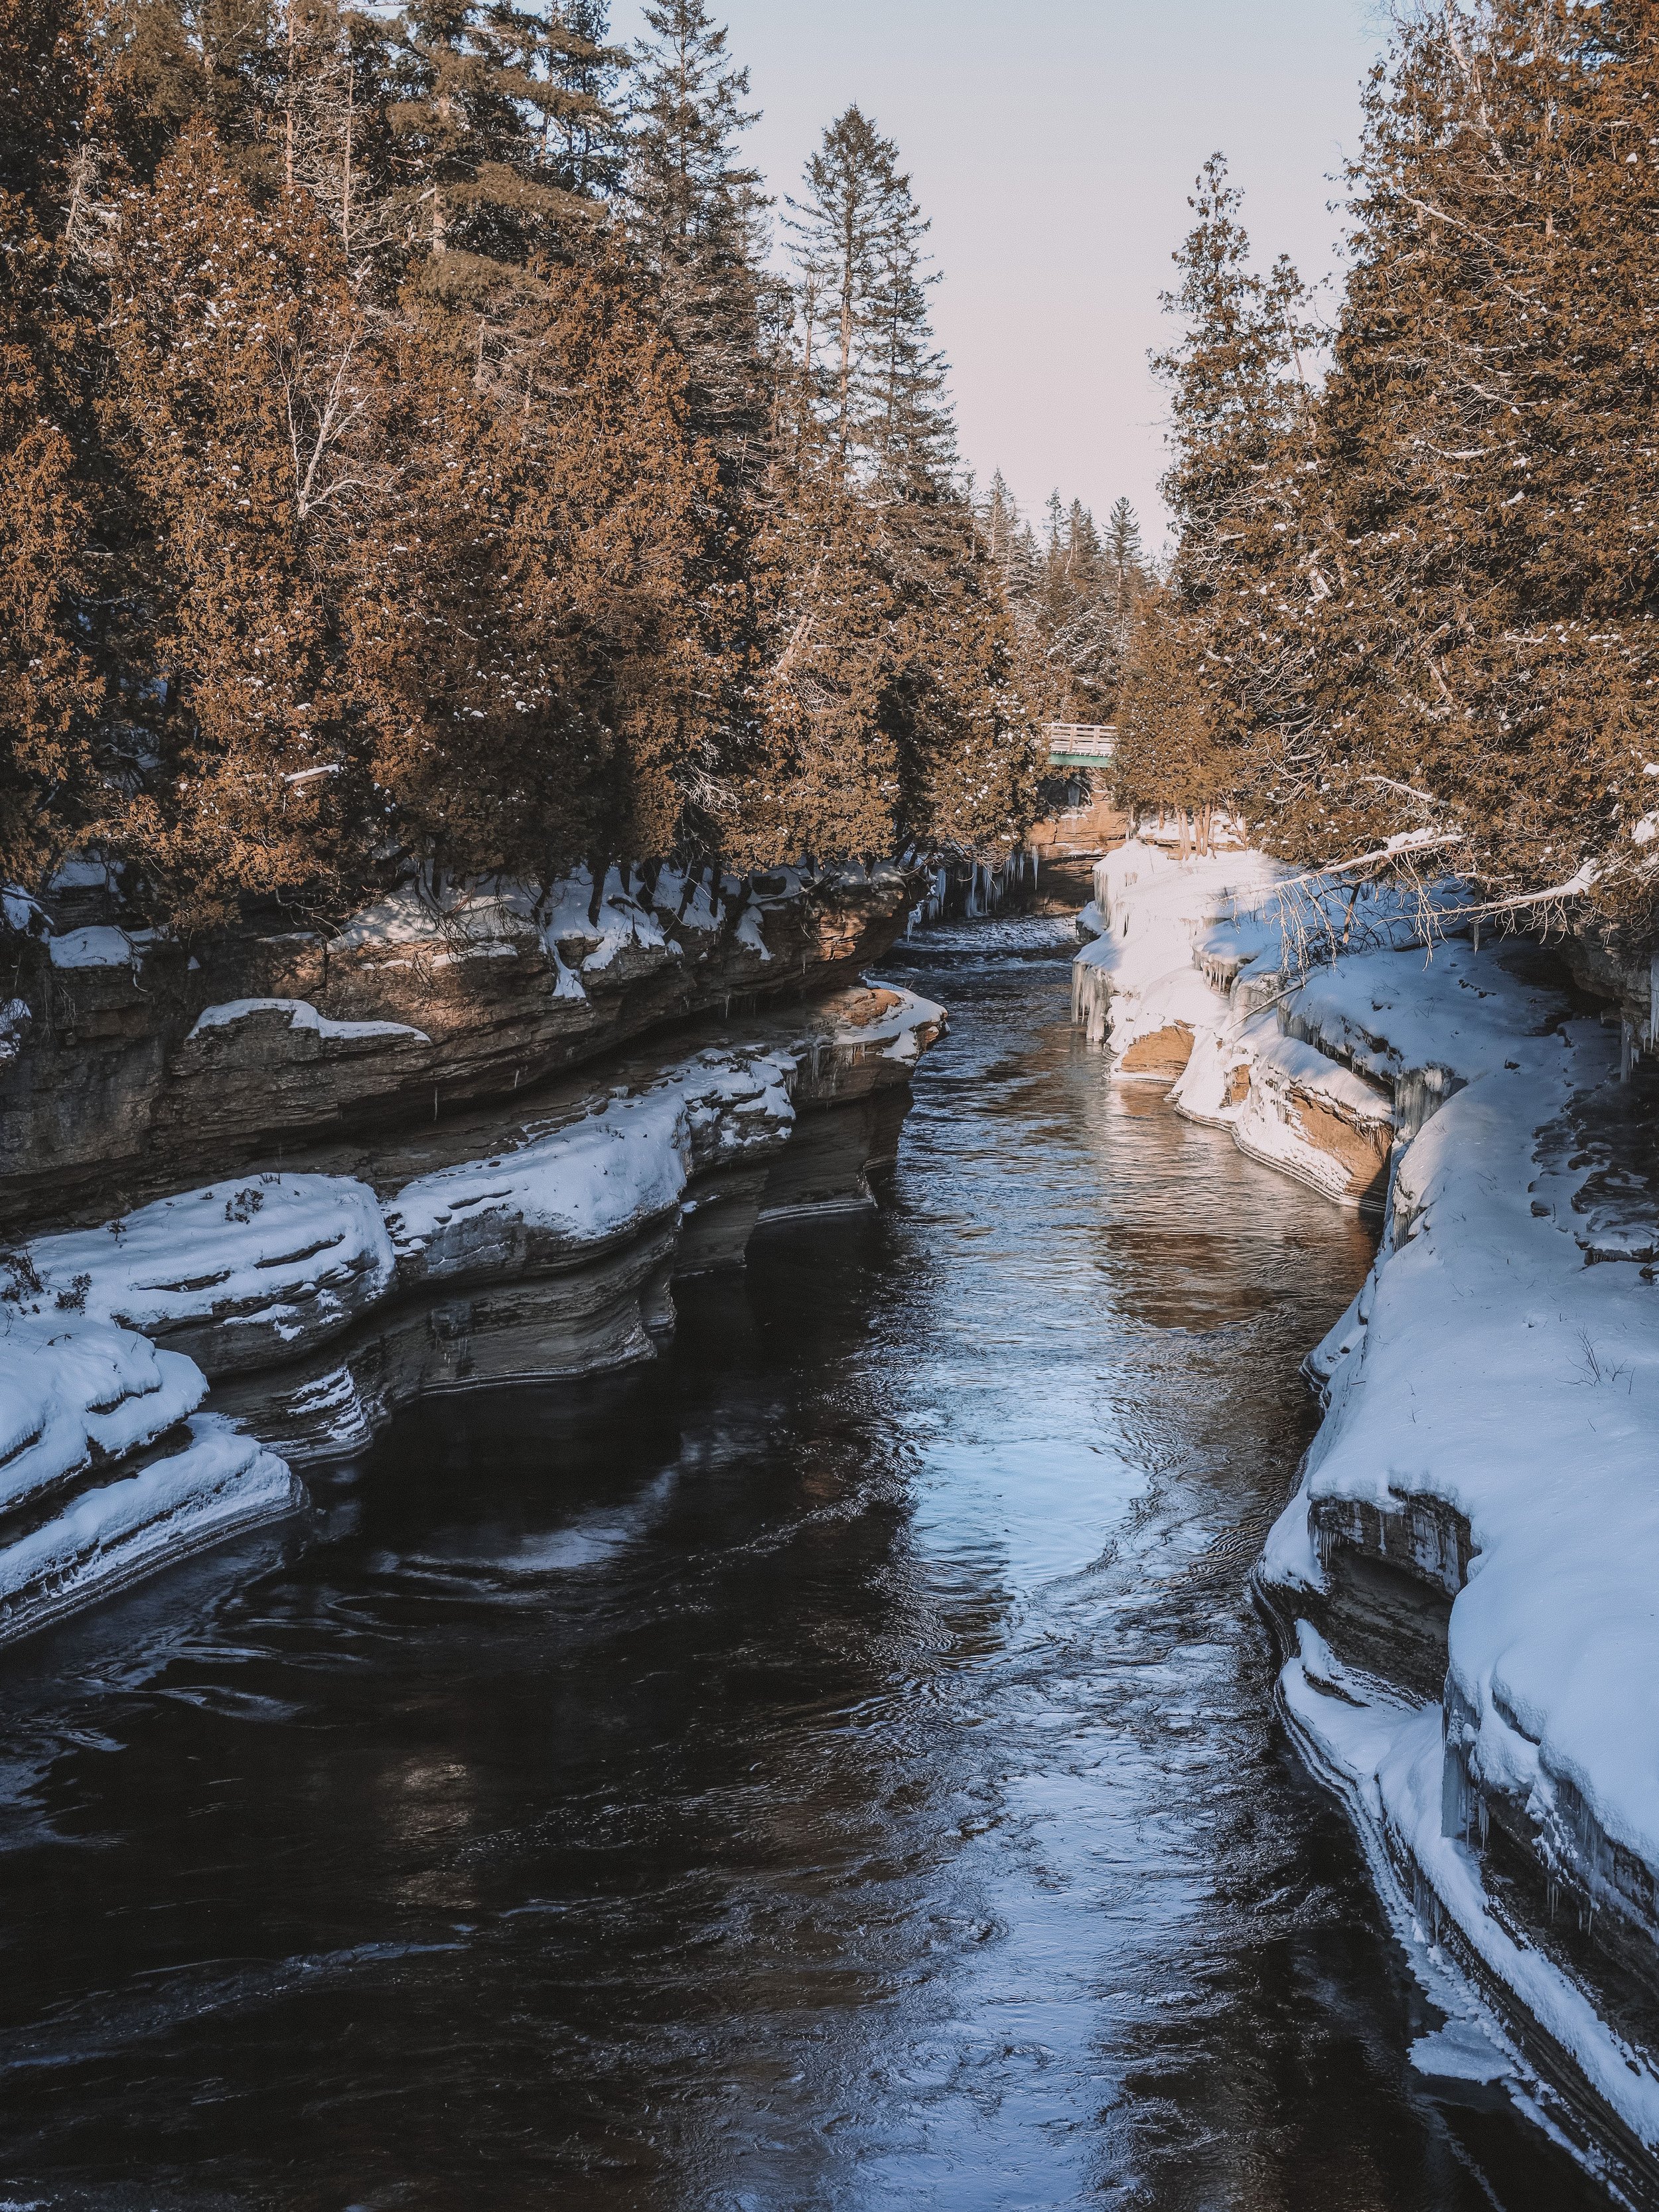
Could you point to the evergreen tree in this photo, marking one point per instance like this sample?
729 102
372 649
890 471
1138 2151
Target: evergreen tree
367 499
49 694
491 99
911 433
244 409
1488 631
694 210
1125 562
838 229
1243 489
1166 757
530 618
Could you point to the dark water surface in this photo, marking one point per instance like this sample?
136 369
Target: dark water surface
833 1768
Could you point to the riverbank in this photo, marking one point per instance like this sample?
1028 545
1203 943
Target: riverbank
832 1763
1465 1578
327 1246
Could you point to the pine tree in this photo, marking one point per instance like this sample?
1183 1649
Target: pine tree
492 101
838 233
822 778
1013 546
1486 654
584 133
911 433
244 409
1125 561
529 605
1166 757
1243 487
694 211
49 693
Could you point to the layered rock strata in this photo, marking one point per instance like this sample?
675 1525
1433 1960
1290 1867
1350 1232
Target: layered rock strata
1463 1581
129 1065
165 1369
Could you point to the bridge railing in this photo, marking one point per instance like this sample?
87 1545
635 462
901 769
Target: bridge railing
1080 744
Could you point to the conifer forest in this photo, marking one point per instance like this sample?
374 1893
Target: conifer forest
414 451
828 1141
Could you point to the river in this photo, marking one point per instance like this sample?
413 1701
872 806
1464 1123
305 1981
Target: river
834 1767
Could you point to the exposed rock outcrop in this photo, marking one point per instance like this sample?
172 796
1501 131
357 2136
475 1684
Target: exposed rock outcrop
130 1066
457 1142
1463 1581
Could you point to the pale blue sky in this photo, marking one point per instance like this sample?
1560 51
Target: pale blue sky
1054 143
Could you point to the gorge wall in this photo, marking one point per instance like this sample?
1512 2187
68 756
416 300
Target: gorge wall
446 1148
1462 1583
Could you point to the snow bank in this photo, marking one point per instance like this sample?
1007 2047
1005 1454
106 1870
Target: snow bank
80 1398
595 1180
220 1483
302 1016
73 1391
239 1274
251 1272
1498 1375
496 921
91 948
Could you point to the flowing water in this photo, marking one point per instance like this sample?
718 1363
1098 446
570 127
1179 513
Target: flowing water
832 1768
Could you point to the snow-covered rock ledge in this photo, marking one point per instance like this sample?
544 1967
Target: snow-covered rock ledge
1468 1576
107 1470
131 1064
312 1303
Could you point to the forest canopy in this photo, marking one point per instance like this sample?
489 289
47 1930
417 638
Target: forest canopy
1412 601
411 456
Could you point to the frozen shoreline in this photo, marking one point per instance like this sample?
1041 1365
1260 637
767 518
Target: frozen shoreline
303 1306
1466 1577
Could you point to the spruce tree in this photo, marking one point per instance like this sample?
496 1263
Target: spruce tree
1243 487
1487 657
838 232
1125 561
694 210
491 99
49 692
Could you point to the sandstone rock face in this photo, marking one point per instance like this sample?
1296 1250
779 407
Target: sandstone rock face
497 1246
130 1068
445 1148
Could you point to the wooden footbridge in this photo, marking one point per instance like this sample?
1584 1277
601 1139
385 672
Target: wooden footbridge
1081 745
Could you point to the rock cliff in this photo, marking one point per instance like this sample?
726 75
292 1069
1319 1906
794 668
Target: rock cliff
1463 1582
444 1149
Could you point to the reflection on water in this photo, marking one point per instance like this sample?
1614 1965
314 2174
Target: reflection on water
834 1768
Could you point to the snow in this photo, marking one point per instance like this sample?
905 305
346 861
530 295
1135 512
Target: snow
1463 2050
597 1178
221 1482
71 1389
1487 1369
22 913
496 918
91 948
302 1016
1385 1757
1151 910
897 1029
14 1015
298 1256
1499 1373
259 1268
589 1182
